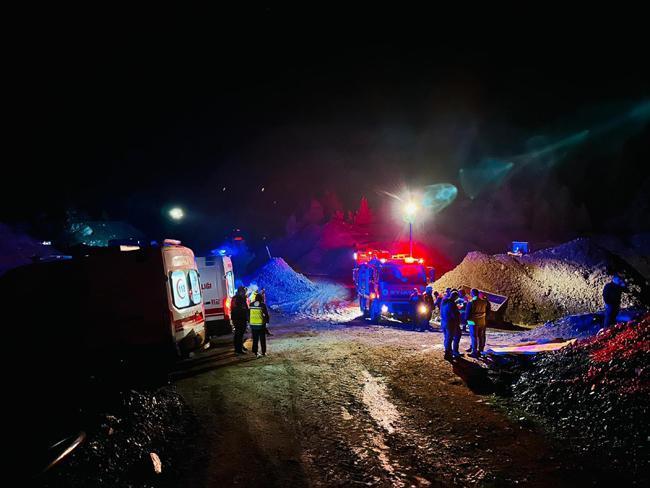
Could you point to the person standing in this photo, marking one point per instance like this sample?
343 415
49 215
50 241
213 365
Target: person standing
239 318
450 324
612 293
476 312
259 318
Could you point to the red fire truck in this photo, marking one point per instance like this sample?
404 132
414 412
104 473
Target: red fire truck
387 282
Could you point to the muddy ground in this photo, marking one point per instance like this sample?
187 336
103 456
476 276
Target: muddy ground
355 404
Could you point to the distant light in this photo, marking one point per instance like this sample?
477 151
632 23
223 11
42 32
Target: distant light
262 188
46 243
222 252
128 248
176 213
354 256
421 261
384 309
382 260
223 189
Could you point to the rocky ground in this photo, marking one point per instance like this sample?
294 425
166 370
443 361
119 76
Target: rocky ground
550 283
129 435
346 405
339 404
595 394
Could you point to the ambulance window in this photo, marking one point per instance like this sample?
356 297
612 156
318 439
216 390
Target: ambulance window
230 283
180 291
195 287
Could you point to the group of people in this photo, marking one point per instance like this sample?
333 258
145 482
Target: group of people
250 311
456 313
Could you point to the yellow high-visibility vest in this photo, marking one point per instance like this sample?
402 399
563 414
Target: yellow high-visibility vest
257 316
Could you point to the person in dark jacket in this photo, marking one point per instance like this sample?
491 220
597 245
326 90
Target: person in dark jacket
612 293
239 318
259 318
450 324
476 312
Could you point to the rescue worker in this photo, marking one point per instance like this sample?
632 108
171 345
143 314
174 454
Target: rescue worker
239 318
437 301
429 297
416 301
430 303
450 325
476 317
259 317
612 293
261 295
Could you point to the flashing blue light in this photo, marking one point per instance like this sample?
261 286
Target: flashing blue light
221 252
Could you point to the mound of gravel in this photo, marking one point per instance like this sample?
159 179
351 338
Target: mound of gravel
118 451
580 326
281 282
597 393
564 280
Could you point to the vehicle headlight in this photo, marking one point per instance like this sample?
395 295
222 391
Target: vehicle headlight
384 309
423 309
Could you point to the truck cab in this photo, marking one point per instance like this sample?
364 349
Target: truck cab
386 285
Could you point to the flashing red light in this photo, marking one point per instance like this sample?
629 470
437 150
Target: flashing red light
238 238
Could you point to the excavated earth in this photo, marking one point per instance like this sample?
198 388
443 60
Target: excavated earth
550 283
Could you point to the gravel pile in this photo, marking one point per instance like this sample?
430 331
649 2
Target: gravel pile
139 427
575 326
281 282
547 284
596 393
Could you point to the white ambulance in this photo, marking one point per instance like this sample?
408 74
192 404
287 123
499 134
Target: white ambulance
217 286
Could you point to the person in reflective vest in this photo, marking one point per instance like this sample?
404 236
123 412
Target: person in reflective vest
476 317
258 318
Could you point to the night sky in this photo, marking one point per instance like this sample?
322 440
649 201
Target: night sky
119 119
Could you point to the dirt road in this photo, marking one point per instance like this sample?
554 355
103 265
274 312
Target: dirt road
354 404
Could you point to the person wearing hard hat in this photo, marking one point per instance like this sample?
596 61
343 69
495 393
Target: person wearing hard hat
258 318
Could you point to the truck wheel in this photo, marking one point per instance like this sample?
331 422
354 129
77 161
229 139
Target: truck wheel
362 306
424 323
375 313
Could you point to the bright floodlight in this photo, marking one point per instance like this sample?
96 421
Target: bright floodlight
176 213
411 209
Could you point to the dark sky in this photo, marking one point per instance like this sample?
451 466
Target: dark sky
121 117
